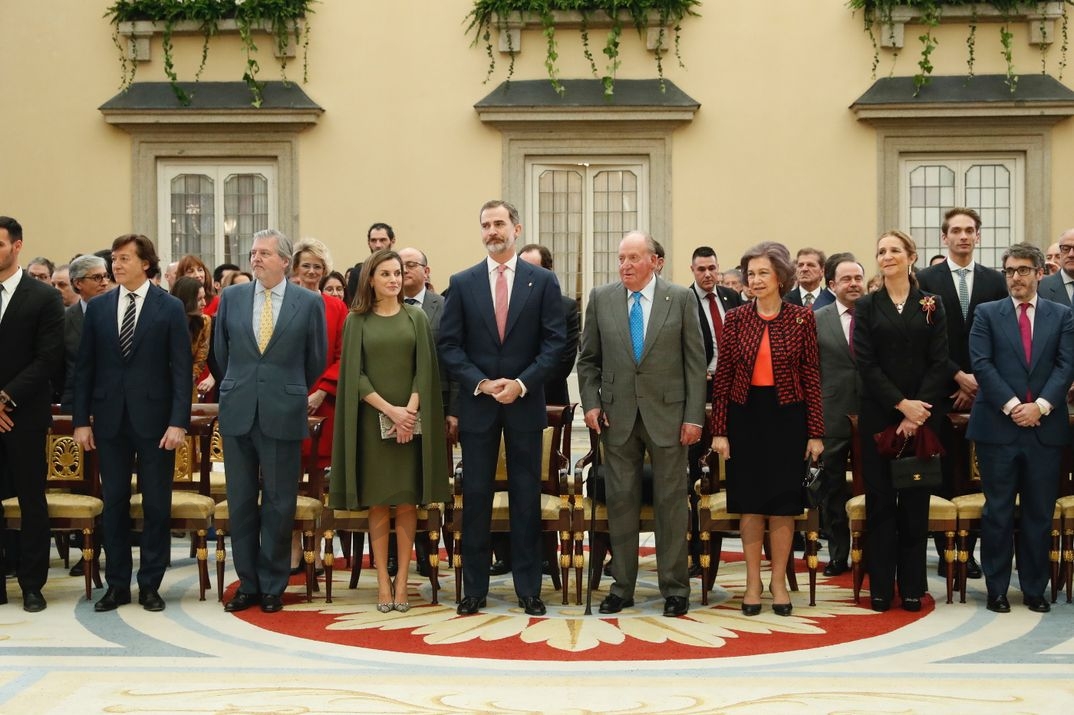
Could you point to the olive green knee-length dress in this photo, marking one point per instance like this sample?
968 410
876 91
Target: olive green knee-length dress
391 472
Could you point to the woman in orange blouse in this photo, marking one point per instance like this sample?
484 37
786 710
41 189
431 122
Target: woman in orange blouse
766 414
191 291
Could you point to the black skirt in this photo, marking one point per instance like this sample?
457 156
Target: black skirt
768 442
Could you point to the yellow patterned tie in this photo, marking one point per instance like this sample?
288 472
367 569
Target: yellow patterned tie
264 331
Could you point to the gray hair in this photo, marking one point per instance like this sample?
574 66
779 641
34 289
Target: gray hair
283 245
1024 251
650 243
317 248
82 266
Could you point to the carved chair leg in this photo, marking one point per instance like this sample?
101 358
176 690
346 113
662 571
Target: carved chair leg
434 564
950 554
307 555
221 559
812 549
89 562
328 558
201 550
855 563
1054 556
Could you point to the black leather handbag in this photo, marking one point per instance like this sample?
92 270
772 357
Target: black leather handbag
915 472
812 484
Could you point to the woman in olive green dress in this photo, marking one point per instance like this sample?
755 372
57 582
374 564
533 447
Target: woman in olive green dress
389 446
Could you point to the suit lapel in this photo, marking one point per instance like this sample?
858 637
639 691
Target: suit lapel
948 293
621 309
1008 322
887 308
482 296
657 316
245 309
288 310
147 314
520 293
15 300
1044 324
831 323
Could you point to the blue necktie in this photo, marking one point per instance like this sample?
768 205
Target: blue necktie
637 326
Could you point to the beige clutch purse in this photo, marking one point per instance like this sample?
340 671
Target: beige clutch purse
386 424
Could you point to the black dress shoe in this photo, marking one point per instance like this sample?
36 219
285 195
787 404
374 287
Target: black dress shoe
150 600
1037 604
911 604
676 606
751 609
533 605
471 605
880 604
79 569
499 568
271 603
33 602
973 569
614 604
835 568
241 601
999 604
113 598
782 609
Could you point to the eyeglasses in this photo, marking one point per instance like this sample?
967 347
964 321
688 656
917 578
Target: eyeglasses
411 265
96 277
1066 247
1023 271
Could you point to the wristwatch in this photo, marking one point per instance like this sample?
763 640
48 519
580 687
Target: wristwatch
5 399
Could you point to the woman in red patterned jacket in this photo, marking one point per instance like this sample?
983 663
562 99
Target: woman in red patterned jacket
767 416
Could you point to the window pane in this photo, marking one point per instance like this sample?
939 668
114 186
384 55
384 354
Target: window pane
992 199
930 192
615 198
245 208
560 219
192 217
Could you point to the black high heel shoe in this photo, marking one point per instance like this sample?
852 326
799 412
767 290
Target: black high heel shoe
751 609
780 609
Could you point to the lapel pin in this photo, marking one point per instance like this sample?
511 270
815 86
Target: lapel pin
667 297
530 285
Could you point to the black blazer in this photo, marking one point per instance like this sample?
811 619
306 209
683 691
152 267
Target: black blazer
988 285
729 298
31 334
555 390
900 356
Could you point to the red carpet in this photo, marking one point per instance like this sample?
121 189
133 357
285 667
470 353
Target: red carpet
503 632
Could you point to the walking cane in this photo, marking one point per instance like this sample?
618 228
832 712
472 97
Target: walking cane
594 446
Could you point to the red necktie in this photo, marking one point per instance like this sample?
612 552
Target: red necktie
850 331
1027 338
717 321
501 301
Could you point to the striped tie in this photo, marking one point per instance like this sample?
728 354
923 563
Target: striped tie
126 330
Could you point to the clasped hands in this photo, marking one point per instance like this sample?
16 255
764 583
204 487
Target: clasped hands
1026 414
504 390
915 413
403 420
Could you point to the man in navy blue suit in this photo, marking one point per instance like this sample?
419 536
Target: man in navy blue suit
501 337
133 377
1022 349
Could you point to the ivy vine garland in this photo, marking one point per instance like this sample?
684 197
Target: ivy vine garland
877 15
487 14
281 17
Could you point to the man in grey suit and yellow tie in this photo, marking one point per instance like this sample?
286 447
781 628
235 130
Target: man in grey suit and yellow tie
642 377
841 392
270 344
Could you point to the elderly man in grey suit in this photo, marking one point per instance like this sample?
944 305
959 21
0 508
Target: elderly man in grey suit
642 376
841 390
270 345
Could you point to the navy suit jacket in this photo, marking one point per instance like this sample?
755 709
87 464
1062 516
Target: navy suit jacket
826 297
154 384
31 334
269 387
999 364
533 344
1052 288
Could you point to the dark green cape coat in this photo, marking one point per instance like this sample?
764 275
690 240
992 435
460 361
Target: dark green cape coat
347 465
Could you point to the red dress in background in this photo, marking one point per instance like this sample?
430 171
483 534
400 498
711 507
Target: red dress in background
335 313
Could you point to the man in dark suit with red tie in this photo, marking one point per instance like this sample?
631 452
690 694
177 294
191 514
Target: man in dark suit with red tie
713 302
501 337
31 332
962 284
133 380
1022 349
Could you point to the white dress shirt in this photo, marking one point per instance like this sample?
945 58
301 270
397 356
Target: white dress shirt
646 302
259 303
140 292
702 296
509 276
1043 404
9 286
969 276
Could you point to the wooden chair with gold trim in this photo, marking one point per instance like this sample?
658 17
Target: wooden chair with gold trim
73 495
192 507
943 518
715 520
308 509
555 501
